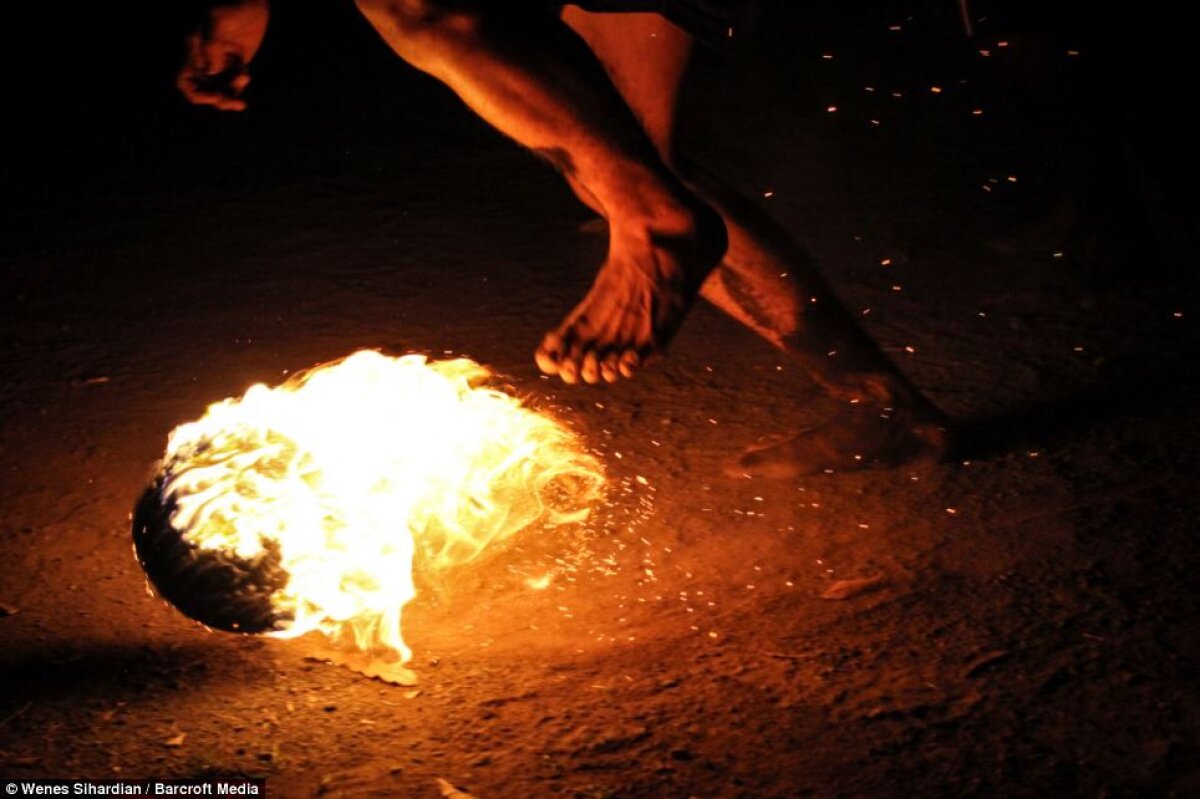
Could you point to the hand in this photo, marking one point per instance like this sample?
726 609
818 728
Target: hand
215 71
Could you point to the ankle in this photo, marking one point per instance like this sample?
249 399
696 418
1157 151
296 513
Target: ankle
689 227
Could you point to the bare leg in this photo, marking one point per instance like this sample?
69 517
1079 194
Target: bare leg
646 57
768 283
527 74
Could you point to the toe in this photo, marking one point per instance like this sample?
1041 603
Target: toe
769 465
777 461
547 364
590 370
609 369
568 370
549 354
628 362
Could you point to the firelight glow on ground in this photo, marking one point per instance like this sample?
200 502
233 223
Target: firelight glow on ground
365 468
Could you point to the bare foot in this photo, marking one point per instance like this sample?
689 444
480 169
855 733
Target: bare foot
639 299
865 436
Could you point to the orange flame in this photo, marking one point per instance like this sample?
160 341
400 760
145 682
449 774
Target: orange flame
358 466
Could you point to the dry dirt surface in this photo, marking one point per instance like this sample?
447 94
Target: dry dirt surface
1021 621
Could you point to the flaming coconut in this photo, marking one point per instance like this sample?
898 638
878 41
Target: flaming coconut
304 507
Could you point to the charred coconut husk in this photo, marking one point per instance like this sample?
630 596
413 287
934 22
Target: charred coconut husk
218 589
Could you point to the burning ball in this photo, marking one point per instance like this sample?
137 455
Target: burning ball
216 587
304 507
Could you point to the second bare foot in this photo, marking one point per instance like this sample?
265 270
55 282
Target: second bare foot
862 437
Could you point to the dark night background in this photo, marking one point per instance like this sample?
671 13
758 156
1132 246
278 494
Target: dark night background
1035 632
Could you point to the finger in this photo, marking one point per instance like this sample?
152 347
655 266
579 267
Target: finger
197 56
217 58
216 100
186 83
226 103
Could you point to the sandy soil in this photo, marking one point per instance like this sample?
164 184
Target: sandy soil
1031 628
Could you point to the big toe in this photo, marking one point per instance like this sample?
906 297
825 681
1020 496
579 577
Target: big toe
549 355
783 458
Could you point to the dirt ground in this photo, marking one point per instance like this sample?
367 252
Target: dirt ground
1031 626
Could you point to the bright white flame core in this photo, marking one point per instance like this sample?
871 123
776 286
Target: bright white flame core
355 466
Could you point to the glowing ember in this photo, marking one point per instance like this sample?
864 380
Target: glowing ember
317 497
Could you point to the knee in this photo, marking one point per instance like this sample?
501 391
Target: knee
406 24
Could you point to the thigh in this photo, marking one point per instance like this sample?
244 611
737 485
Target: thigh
646 57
